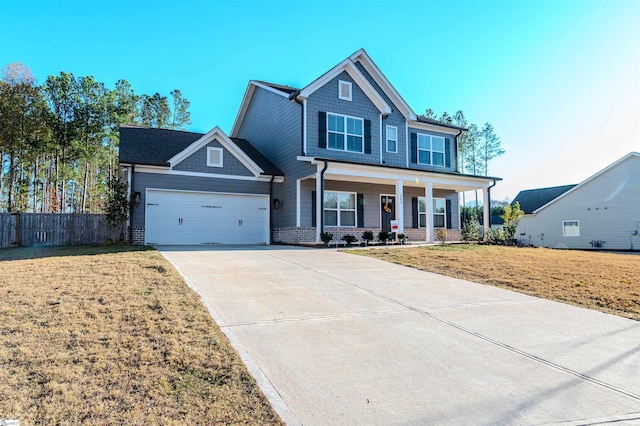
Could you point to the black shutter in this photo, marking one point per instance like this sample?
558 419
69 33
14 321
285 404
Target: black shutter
322 129
313 208
414 148
367 136
414 212
360 211
448 214
447 152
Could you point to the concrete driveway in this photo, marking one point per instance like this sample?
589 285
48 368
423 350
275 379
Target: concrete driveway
334 338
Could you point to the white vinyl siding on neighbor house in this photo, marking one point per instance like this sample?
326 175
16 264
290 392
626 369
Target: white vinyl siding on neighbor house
439 212
344 90
392 139
345 133
340 208
215 157
431 150
570 228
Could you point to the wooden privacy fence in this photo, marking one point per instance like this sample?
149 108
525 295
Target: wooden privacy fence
51 229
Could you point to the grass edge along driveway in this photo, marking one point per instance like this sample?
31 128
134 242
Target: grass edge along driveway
113 335
595 280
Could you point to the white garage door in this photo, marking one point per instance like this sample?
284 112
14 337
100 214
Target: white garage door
177 217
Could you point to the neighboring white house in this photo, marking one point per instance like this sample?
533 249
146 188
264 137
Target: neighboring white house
601 212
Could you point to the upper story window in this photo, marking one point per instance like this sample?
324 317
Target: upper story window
570 228
430 150
392 139
339 208
214 157
345 133
344 90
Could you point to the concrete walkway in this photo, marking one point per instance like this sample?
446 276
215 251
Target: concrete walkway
334 338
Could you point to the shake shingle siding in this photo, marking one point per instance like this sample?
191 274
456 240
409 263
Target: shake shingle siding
326 99
607 208
197 162
394 119
273 124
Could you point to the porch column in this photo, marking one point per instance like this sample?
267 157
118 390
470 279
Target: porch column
486 211
400 205
319 198
429 201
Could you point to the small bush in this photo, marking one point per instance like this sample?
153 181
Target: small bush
349 239
326 237
402 238
367 236
498 236
441 235
383 236
471 231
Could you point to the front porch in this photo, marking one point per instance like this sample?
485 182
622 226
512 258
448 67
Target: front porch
344 198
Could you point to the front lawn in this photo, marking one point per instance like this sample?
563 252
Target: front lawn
114 336
601 281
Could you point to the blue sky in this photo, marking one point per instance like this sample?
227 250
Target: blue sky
558 79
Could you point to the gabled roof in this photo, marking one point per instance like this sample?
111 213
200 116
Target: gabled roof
162 147
151 146
532 199
349 67
286 89
576 187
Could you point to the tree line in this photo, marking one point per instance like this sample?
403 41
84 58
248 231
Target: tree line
59 139
476 147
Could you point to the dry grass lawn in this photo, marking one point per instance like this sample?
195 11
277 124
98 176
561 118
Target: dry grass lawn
114 336
602 281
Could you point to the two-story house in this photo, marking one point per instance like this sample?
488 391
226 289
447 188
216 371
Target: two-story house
344 154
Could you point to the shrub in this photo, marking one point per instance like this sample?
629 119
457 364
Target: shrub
511 216
349 239
383 236
326 237
441 235
498 236
471 231
402 238
367 236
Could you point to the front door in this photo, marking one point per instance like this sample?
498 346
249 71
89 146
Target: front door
387 211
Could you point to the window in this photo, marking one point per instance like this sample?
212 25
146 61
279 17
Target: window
392 139
344 90
339 208
344 133
430 150
439 212
570 228
214 157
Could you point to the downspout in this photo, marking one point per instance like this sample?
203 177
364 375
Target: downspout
326 164
489 201
131 192
293 97
457 142
271 209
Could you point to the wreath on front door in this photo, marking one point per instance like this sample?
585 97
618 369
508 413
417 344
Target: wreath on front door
386 207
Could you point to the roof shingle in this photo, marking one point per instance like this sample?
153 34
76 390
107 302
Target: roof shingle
154 147
532 199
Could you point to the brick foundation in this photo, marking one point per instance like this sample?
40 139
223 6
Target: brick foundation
137 236
294 235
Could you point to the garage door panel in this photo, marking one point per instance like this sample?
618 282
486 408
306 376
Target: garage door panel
175 217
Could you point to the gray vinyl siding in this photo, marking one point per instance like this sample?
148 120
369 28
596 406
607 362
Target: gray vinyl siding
197 162
143 181
607 207
452 152
394 119
372 207
326 99
273 125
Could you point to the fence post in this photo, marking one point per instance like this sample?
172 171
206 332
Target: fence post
17 231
